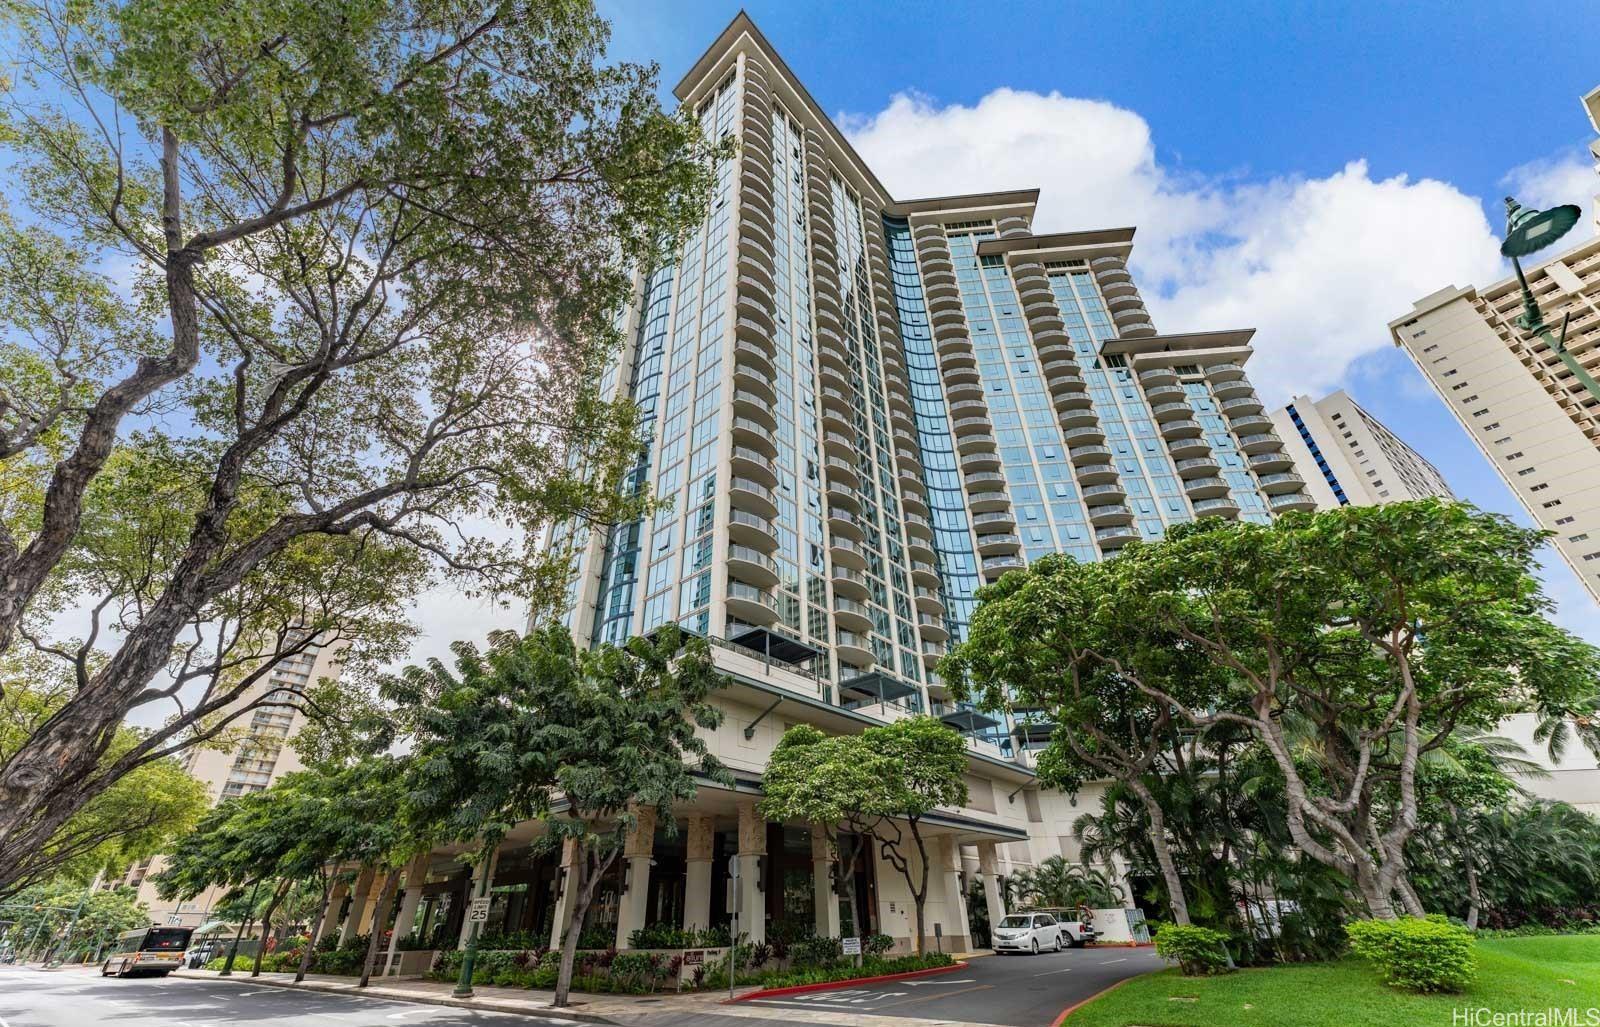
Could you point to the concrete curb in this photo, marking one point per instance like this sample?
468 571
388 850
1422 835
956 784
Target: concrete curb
1083 1002
852 982
401 995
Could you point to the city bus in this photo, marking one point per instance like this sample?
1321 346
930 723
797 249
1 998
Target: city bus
156 950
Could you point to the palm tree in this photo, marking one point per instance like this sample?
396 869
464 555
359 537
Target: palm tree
1058 883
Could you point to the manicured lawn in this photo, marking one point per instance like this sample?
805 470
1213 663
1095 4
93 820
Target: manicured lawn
1513 974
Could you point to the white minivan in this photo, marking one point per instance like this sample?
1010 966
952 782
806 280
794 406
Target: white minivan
1029 932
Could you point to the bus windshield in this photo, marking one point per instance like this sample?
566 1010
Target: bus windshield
166 939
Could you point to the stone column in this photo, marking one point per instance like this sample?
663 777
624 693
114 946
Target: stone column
567 885
484 869
697 885
988 870
752 849
957 933
824 898
358 904
636 849
330 920
410 899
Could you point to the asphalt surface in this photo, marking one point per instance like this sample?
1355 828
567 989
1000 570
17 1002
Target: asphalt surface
74 998
1015 991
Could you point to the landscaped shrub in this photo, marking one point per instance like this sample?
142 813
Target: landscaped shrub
665 936
814 952
877 944
1421 955
1198 950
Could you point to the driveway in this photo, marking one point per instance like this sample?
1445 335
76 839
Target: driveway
1014 991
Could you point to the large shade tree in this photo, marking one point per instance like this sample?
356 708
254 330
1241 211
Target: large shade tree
303 307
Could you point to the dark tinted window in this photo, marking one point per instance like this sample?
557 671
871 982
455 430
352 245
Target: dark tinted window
166 939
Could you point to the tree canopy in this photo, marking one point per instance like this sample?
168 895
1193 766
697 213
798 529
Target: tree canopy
303 310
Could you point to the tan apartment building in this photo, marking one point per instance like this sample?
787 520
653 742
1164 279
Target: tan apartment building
1349 457
260 757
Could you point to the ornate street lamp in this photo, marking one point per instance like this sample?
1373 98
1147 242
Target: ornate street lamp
1528 231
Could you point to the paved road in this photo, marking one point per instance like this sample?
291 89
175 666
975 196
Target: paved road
74 998
1015 991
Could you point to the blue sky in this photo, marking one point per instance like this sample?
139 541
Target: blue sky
1384 135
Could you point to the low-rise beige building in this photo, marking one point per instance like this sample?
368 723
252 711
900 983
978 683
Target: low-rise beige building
1349 457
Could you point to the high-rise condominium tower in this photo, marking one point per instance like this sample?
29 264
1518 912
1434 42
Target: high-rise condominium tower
1347 456
862 408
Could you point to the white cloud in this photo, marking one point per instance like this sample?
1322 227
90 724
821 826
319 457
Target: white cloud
1554 180
1317 265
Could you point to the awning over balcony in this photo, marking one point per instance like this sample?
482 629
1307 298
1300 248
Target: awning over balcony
968 720
880 686
777 646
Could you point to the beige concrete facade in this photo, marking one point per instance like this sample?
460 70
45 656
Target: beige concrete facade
1348 456
1526 411
260 757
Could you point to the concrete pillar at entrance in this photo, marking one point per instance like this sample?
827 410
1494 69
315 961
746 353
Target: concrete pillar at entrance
358 905
567 881
957 935
824 898
637 850
330 921
416 877
697 884
483 869
752 850
988 870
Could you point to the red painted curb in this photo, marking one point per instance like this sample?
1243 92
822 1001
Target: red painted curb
797 989
1079 1005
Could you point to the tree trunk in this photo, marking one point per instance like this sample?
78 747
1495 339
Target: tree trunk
316 929
1474 898
847 870
1408 896
919 895
266 924
1163 851
380 916
583 895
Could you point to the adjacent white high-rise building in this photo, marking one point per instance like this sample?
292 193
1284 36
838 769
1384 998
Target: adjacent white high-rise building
1349 457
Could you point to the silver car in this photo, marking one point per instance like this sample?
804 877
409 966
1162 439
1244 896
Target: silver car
1028 932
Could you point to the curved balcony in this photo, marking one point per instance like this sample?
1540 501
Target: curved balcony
993 545
1250 404
1198 466
1180 429
1115 535
1124 302
1260 442
928 600
842 495
1097 474
752 463
839 444
1266 463
755 240
925 573
760 270
753 496
971 426
1228 389
752 530
1118 287
757 356
932 628
1136 326
934 262
752 405
932 653
844 522
850 583
1224 372
754 332
1085 434
959 367
998 520
1158 376
913 502
751 604
1291 501
1112 492
946 317
854 648
1081 417
1220 507
847 553
1165 394
958 391
1172 411
980 460
843 470
949 342
1205 488
1285 481
994 566
853 615
969 443
1193 446
1082 455
755 434
1252 423
921 548
918 525
751 565
1110 513
984 481
751 380
1065 401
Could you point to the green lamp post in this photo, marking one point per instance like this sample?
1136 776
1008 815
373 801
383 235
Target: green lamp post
1528 231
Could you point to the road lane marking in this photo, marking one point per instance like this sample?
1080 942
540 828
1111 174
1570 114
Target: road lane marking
1047 973
406 1012
1108 962
940 996
941 980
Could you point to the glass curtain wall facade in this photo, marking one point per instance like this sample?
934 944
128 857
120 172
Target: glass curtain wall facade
863 408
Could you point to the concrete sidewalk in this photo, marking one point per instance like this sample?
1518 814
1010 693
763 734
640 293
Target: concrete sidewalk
664 1009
